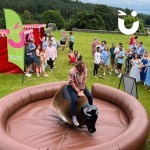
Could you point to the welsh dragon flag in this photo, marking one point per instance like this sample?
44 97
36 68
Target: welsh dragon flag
15 38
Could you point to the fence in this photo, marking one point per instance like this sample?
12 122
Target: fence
103 31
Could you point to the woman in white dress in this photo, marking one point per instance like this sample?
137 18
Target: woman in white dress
136 67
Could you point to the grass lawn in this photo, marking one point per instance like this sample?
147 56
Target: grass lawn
12 82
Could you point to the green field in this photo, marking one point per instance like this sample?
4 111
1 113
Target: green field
12 82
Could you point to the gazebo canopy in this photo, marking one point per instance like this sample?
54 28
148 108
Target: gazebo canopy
33 26
3 32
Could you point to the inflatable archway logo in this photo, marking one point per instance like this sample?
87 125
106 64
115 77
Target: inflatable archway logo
15 38
121 24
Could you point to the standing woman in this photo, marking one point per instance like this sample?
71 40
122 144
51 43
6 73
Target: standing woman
28 60
105 58
97 61
136 67
94 43
51 54
144 61
71 42
147 79
37 60
64 38
44 41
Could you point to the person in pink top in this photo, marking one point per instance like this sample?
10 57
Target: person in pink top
77 87
51 54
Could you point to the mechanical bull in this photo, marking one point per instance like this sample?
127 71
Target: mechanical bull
86 114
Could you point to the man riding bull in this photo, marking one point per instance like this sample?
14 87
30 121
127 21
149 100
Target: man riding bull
77 88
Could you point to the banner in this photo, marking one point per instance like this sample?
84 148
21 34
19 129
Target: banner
15 38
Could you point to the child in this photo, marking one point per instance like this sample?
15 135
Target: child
72 58
43 62
77 56
37 60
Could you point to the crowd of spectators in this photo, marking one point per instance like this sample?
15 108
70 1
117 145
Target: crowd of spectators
106 59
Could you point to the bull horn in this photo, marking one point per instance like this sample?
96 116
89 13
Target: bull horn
93 107
97 112
84 110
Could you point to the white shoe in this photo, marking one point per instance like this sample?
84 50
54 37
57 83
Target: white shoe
45 75
109 72
75 121
116 71
28 75
119 76
104 77
38 75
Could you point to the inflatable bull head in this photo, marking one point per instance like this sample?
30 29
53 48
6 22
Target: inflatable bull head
89 115
86 114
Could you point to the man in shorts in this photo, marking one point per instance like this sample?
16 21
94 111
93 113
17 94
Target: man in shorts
120 60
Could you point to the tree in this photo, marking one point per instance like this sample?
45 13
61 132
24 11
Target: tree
147 20
87 21
128 11
68 9
109 15
102 9
2 20
27 17
111 21
129 20
51 16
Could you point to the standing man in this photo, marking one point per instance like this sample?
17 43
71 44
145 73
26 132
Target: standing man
77 87
71 42
32 48
141 50
112 56
120 60
116 51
